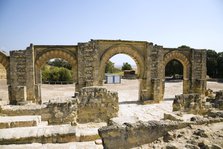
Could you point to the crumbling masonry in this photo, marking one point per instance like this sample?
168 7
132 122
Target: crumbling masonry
88 62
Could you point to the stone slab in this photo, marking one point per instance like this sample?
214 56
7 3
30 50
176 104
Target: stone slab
19 121
41 134
73 145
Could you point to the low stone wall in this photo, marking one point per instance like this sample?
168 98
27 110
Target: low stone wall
61 112
190 103
218 103
132 135
97 104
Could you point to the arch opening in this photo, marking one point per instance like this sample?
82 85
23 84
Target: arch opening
173 79
4 94
56 75
182 60
57 80
121 74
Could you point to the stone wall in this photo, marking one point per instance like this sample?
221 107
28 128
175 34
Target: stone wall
2 72
190 103
97 104
89 60
132 135
62 112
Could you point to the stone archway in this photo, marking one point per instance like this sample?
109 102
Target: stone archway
45 57
4 61
121 49
175 55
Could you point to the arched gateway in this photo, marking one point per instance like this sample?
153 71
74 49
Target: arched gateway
88 62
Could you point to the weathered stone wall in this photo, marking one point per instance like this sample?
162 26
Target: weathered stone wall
132 135
190 103
89 60
2 72
97 105
62 112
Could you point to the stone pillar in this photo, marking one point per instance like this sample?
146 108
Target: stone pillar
87 65
152 92
198 82
17 88
22 83
30 75
156 73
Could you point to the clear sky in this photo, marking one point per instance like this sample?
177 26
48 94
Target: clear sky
171 23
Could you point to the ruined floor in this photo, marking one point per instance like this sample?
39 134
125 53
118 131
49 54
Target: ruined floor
129 111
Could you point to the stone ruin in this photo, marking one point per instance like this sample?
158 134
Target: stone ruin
88 61
93 103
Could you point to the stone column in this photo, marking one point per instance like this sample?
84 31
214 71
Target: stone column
30 75
17 88
87 65
198 82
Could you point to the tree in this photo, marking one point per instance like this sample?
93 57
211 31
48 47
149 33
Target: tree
109 68
126 66
60 63
220 65
184 46
173 67
212 63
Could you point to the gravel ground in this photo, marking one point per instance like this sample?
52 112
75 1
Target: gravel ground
129 110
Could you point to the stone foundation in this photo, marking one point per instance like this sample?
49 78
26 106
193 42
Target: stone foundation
190 103
54 112
132 135
97 104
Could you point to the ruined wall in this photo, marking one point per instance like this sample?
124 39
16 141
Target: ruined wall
89 60
22 83
190 103
62 112
97 104
131 135
2 72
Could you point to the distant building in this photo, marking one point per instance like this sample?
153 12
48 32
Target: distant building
112 79
129 74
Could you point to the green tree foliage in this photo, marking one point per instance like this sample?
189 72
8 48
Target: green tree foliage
126 66
57 62
184 46
173 67
220 65
212 63
56 74
109 68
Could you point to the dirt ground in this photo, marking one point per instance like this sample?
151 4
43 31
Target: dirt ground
129 109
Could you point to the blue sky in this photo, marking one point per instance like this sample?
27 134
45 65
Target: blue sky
196 23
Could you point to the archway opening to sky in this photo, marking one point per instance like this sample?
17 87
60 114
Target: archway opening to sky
121 75
57 80
3 85
173 79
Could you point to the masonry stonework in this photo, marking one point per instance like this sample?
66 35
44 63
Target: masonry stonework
88 62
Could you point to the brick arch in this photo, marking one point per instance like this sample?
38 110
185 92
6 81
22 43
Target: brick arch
45 57
4 60
56 53
122 49
174 55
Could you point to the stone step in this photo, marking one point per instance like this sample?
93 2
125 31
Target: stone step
89 131
50 134
73 145
19 121
38 134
